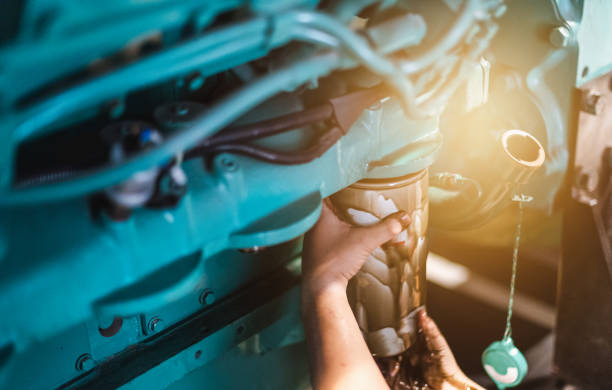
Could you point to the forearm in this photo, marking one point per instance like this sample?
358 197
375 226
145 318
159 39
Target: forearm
338 355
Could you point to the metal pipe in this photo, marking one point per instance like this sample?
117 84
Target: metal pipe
268 127
511 163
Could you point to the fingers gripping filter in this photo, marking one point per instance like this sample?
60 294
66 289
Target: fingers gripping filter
386 292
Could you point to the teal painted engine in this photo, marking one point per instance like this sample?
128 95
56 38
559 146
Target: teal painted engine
159 161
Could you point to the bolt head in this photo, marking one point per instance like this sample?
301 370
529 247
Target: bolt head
560 37
155 324
84 363
207 297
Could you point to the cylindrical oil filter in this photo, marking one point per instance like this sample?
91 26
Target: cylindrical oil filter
390 286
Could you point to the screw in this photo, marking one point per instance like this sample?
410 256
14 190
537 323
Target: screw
559 36
592 102
85 362
207 297
155 324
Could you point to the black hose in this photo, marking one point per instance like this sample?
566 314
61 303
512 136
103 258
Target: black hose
320 146
263 129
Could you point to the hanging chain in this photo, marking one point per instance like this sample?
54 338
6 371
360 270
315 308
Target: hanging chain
517 238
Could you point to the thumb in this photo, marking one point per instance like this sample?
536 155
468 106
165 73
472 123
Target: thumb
376 235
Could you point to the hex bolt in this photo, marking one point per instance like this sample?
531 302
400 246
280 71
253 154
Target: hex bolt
155 324
85 362
207 297
592 102
560 37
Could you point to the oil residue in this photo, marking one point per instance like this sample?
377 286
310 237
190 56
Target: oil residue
405 371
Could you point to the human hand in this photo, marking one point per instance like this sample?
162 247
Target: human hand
334 250
440 369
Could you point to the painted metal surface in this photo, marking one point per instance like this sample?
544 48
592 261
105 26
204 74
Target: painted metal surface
156 263
78 288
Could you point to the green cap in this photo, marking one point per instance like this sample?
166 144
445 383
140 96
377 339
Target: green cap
504 363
